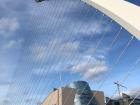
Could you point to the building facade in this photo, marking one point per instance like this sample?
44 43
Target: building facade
125 100
68 96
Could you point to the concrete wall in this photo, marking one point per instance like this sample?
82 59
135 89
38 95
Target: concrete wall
53 98
65 96
68 96
99 96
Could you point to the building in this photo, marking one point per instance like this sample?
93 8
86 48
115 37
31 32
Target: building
125 100
73 95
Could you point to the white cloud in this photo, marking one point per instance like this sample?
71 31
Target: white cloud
3 90
13 44
8 26
6 71
40 72
39 52
91 68
61 53
96 27
99 27
100 53
132 93
54 49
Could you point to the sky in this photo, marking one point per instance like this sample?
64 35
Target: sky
51 44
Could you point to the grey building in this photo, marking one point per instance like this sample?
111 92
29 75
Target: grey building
125 100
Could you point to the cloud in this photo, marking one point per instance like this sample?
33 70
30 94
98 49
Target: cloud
56 54
91 68
132 93
3 90
6 71
13 44
96 27
6 102
64 57
54 49
40 72
99 27
8 26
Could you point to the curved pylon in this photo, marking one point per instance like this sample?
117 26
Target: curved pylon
123 12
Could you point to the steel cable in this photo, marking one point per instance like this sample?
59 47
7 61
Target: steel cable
26 52
28 73
116 62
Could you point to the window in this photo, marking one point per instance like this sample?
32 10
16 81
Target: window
116 103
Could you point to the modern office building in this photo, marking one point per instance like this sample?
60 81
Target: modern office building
76 93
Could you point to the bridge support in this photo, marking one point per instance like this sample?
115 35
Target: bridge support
123 12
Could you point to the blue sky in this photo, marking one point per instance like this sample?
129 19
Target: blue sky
53 43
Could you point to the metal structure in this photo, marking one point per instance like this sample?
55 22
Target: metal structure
121 11
118 87
124 13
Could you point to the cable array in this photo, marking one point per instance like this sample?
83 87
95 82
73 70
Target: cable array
72 46
41 63
116 62
126 76
26 52
33 93
138 94
42 79
97 46
28 74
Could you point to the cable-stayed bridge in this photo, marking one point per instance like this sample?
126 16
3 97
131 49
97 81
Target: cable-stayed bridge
47 52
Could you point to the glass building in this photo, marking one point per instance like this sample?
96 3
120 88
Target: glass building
84 95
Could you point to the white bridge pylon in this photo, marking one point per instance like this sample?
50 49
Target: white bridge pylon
123 12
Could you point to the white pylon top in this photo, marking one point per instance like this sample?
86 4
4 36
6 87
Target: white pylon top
123 12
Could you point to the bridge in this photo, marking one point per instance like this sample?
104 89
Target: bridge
123 12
